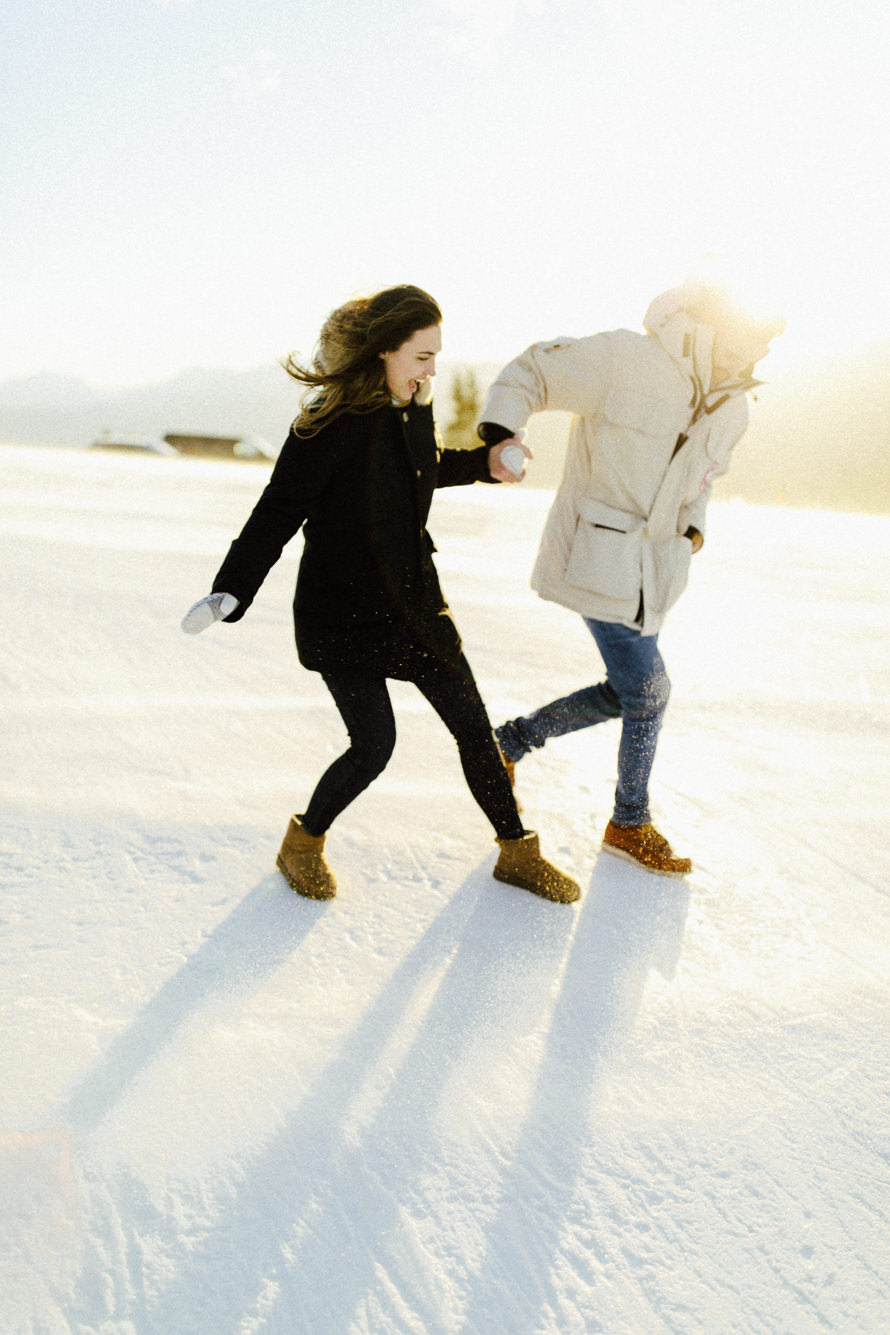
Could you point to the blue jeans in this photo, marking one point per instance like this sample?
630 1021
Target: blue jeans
636 690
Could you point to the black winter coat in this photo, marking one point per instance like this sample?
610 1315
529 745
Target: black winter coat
367 596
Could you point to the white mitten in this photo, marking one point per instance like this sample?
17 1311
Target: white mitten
212 608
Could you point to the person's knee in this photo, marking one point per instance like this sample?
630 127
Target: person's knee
371 755
380 757
650 699
610 700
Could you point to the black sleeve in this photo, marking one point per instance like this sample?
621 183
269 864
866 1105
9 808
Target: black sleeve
493 433
302 469
459 467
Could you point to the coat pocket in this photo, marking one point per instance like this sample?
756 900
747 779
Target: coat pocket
671 557
606 551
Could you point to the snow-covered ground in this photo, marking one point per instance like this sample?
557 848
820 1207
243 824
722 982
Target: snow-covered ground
435 1105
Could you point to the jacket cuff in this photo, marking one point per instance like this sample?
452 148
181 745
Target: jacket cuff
483 473
244 599
493 433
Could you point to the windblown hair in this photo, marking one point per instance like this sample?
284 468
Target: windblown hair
347 374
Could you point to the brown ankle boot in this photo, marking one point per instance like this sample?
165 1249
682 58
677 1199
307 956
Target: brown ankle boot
302 863
520 863
643 845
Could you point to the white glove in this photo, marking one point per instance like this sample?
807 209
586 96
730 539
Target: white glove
212 608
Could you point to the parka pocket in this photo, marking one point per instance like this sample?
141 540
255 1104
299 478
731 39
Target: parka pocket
606 551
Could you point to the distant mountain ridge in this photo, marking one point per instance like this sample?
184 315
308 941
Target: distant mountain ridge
50 409
58 410
819 436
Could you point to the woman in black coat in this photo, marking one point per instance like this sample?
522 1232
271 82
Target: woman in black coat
357 473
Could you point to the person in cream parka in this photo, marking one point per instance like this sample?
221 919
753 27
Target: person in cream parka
656 417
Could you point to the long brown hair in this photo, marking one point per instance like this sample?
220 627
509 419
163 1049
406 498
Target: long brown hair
347 374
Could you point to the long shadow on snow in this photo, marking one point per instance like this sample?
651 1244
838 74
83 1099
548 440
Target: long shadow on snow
363 1148
630 923
258 936
260 933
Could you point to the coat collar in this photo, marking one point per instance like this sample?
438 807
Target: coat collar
690 346
424 395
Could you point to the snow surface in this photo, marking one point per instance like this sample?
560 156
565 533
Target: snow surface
436 1105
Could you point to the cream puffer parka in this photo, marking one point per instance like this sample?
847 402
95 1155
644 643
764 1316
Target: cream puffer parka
630 489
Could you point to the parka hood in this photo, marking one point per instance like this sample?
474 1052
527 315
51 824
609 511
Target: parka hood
685 340
690 345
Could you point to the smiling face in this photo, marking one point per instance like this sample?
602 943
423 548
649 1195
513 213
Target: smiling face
413 362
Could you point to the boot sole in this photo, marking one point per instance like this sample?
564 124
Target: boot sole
307 894
653 871
535 890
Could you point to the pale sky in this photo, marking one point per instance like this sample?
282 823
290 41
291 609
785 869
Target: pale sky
198 182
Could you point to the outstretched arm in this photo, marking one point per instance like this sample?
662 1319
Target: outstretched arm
276 517
567 375
485 464
302 469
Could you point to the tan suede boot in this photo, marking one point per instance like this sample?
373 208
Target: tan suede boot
520 863
302 863
643 845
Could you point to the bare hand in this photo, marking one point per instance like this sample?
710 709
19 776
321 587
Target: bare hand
499 471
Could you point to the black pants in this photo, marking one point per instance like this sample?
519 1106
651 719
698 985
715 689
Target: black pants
366 709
